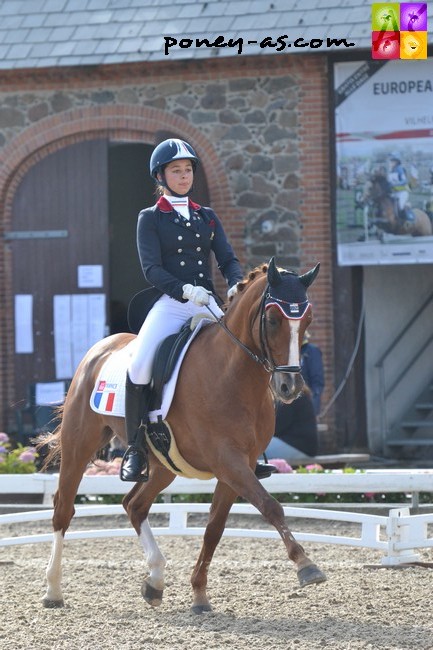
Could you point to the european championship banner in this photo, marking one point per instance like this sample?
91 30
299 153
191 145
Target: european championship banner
384 161
399 30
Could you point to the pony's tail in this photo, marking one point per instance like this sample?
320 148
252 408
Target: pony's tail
49 444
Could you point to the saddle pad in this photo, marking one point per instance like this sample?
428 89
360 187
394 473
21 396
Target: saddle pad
108 395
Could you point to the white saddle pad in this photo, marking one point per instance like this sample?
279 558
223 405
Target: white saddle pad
108 395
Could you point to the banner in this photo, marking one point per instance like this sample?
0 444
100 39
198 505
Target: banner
384 162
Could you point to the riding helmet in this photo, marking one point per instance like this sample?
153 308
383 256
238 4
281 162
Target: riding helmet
169 150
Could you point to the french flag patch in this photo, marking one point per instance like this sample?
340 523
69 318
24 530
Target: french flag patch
104 396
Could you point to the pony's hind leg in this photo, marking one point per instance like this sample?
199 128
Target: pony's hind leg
222 501
137 505
79 442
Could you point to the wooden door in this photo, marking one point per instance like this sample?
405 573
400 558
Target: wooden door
60 223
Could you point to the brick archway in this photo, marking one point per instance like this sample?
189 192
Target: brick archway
119 122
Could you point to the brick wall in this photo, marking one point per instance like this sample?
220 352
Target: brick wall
260 125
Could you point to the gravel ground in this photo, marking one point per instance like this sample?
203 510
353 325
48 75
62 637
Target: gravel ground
252 586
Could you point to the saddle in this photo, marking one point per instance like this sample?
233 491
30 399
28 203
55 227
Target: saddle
166 357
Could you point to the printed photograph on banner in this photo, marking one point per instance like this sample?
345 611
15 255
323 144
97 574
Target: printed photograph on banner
384 162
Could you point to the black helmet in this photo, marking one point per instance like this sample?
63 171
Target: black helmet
168 150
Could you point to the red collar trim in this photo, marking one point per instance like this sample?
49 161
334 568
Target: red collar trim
165 206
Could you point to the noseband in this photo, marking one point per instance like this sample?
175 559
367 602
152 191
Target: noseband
266 359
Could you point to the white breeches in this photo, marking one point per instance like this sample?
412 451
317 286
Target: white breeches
166 317
402 197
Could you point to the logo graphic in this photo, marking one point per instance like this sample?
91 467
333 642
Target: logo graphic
399 30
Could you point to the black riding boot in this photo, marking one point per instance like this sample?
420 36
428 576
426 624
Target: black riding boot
134 465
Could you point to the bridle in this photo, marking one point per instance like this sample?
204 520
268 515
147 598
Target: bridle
265 359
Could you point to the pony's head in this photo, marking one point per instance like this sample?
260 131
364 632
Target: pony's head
285 315
380 186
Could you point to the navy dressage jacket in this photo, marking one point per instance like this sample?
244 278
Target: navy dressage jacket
174 251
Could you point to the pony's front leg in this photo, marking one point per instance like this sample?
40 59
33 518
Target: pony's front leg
53 596
152 588
249 487
137 505
222 501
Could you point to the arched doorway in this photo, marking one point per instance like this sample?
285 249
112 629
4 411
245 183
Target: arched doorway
73 249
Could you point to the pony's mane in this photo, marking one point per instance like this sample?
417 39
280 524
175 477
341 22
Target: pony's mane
252 276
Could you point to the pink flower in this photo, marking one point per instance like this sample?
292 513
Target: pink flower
4 437
282 465
314 467
28 455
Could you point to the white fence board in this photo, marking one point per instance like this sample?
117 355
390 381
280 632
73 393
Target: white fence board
386 481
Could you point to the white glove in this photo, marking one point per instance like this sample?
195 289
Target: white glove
198 295
232 291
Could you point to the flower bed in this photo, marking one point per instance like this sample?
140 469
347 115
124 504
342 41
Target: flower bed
16 460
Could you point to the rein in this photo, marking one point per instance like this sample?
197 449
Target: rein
266 359
219 321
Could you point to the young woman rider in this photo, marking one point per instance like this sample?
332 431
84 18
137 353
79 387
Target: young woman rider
175 238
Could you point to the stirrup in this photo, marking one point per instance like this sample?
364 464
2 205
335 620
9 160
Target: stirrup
134 466
264 470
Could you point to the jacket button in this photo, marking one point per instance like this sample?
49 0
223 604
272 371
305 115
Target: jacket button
179 250
180 237
199 262
197 234
182 263
198 248
200 275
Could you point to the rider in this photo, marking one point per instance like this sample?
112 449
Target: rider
399 182
174 238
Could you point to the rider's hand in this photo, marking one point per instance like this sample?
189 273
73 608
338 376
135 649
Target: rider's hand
198 295
232 291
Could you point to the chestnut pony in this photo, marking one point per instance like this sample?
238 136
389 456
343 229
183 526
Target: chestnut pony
222 417
379 192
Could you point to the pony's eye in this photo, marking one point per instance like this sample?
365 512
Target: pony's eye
272 321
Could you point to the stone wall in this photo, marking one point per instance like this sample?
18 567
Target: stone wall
260 125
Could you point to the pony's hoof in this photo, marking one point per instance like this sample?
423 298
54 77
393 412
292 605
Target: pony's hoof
52 604
201 609
310 575
152 596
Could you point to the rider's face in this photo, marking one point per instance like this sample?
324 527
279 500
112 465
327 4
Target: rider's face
179 176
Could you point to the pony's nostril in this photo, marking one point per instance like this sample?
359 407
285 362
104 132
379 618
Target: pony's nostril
285 389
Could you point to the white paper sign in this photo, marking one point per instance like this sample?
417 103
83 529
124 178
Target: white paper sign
50 393
79 322
62 336
24 324
90 275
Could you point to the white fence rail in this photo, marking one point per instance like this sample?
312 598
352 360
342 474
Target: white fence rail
396 535
336 481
